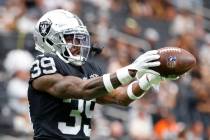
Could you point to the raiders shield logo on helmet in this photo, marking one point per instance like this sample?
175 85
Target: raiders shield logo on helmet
44 27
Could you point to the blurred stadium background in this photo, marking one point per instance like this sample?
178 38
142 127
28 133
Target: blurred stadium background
179 110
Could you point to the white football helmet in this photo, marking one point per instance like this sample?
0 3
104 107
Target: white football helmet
64 34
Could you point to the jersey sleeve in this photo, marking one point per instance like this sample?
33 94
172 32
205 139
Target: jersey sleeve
43 65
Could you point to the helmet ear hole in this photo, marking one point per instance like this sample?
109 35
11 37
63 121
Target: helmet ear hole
66 53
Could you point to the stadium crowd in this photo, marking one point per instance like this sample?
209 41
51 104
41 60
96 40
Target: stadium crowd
177 110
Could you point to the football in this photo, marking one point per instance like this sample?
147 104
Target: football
174 61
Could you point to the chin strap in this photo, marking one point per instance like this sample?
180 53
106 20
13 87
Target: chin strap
74 62
61 57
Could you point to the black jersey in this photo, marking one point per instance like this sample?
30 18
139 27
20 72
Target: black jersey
54 118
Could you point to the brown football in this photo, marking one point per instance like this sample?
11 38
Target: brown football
174 61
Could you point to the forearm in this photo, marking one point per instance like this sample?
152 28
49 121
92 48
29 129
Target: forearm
71 87
95 87
120 96
134 91
97 84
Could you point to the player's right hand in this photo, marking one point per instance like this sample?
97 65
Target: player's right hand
152 79
145 61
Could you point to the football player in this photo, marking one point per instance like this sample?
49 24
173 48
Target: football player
64 86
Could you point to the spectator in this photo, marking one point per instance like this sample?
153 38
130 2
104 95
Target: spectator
140 122
17 64
152 36
196 131
182 23
167 127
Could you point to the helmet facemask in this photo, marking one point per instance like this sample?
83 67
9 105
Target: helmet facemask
75 47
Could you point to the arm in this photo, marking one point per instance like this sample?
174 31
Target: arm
120 96
125 95
74 87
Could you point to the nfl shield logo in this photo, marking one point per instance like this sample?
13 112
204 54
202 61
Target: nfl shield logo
171 62
44 27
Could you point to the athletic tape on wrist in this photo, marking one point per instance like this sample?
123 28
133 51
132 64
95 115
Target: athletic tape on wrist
130 92
144 83
123 76
107 83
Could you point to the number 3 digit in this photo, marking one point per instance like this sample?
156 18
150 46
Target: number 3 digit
36 71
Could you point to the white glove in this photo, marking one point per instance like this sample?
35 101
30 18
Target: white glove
141 64
152 79
145 61
145 82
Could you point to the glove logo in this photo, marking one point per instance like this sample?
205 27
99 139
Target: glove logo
44 27
171 63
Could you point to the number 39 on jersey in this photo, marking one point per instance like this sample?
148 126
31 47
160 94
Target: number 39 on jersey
42 66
